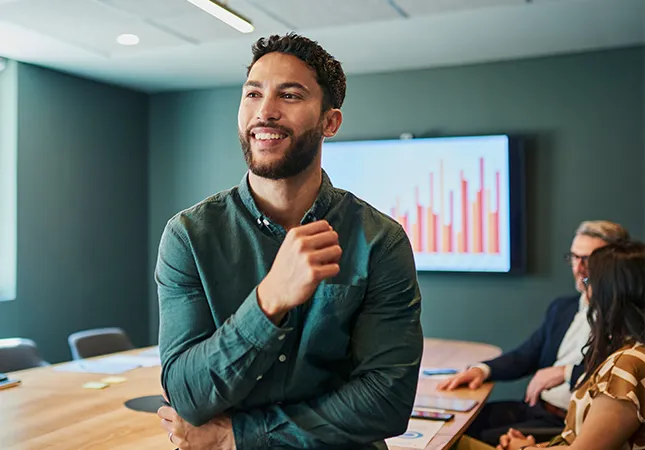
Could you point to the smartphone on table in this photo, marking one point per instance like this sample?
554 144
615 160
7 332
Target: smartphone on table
431 415
8 383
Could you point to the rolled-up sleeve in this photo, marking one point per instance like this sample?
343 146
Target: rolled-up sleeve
206 370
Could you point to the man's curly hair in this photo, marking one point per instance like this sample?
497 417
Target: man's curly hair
329 73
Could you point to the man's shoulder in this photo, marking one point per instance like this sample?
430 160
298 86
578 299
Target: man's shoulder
372 220
209 209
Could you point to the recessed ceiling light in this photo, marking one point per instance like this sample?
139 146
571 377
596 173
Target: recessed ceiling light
128 39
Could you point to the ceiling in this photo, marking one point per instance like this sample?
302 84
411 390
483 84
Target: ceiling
182 47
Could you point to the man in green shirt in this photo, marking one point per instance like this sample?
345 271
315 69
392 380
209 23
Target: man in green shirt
289 309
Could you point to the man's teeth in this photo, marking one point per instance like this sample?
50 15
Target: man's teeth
264 136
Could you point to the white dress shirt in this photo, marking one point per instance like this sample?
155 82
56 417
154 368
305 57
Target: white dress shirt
569 355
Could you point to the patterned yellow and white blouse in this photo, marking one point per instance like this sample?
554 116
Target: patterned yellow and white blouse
621 376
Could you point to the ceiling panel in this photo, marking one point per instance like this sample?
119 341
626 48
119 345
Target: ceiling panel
87 24
312 14
429 7
200 28
152 9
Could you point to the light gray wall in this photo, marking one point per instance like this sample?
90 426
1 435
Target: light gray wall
82 211
582 116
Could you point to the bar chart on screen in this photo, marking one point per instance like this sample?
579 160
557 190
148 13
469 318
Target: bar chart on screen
451 196
434 229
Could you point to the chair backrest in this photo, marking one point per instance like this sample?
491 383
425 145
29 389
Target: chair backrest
19 354
99 341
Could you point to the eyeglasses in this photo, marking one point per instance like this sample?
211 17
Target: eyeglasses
571 258
585 281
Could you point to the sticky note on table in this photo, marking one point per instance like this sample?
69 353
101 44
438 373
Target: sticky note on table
114 380
95 385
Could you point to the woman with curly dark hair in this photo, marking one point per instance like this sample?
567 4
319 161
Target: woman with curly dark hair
607 408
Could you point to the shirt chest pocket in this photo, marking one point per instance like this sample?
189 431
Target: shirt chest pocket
329 319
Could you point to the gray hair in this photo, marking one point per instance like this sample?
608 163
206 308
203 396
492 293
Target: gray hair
610 232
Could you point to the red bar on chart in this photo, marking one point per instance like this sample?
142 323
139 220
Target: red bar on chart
418 232
463 234
496 223
477 224
415 243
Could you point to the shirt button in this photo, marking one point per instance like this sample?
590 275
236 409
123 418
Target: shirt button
259 377
281 337
282 358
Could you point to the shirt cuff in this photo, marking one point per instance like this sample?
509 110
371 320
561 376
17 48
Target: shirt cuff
255 326
568 373
484 368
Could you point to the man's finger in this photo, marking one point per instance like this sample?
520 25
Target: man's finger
461 379
450 384
321 240
326 255
167 425
327 271
533 398
168 413
312 228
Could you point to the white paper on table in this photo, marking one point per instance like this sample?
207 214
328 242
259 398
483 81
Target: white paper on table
110 365
418 434
154 351
138 360
97 366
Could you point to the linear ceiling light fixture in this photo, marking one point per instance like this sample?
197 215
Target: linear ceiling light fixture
225 14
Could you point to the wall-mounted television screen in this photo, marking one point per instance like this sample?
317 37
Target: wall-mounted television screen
459 199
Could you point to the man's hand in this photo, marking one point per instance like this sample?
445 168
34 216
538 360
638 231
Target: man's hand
473 377
309 254
543 380
513 440
214 435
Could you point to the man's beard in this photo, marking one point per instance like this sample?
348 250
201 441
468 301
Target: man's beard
298 157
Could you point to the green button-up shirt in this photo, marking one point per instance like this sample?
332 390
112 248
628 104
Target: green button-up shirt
340 371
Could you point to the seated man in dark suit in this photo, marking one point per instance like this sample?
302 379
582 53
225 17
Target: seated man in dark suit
553 353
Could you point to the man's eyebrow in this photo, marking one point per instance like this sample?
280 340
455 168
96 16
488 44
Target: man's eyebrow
252 83
293 84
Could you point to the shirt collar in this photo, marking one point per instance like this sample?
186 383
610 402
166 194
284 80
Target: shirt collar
317 211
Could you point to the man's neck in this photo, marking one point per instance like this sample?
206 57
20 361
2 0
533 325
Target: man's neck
286 201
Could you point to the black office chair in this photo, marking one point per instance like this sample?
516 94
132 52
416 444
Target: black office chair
97 342
19 354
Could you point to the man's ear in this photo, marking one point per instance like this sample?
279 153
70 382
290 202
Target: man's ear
332 121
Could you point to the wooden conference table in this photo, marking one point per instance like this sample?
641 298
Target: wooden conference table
51 409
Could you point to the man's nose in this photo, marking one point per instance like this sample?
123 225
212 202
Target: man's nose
268 110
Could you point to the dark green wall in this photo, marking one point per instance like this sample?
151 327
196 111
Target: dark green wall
82 211
582 115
